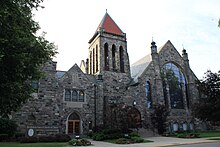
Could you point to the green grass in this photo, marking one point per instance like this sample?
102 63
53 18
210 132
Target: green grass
205 134
214 139
17 144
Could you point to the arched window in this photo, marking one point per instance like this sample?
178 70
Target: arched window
67 95
74 96
81 96
93 61
96 58
121 55
174 80
113 57
90 62
175 127
106 56
148 94
185 126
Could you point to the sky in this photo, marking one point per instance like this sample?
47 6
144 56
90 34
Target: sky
189 24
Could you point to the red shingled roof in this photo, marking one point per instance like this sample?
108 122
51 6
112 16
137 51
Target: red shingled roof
109 25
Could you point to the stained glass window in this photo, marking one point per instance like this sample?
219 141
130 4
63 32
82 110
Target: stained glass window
148 94
174 80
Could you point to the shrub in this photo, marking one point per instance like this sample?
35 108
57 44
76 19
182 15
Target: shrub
7 126
134 134
107 134
46 138
121 141
62 138
29 139
72 142
3 137
99 136
187 135
19 134
79 142
137 139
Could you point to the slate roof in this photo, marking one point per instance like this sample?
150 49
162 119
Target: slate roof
138 67
59 74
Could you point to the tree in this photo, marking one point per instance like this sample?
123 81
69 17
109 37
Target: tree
219 23
159 118
208 107
22 52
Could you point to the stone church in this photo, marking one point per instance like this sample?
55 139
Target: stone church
75 101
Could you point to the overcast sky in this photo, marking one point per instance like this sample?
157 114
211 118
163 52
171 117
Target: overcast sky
192 24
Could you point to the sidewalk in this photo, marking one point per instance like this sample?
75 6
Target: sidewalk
158 142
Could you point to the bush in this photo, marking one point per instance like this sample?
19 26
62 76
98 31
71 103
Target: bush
46 138
28 139
134 134
99 136
3 137
19 134
7 126
107 134
137 139
121 141
187 135
79 142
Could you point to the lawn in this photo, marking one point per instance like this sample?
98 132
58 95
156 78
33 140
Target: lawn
17 144
205 134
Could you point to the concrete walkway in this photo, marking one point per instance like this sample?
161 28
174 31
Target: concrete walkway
158 142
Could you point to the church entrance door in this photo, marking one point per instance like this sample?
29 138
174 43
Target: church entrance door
134 118
73 126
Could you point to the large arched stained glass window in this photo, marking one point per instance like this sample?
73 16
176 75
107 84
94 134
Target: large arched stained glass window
148 94
174 85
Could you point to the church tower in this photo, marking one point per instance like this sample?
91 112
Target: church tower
108 60
108 49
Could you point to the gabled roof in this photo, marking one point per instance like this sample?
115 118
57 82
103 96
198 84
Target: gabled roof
108 25
139 67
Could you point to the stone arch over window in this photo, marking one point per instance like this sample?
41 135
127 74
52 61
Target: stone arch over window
148 94
67 95
96 57
113 58
74 96
121 56
106 56
174 86
73 124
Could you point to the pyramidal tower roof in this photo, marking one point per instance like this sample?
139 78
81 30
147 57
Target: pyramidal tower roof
108 25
